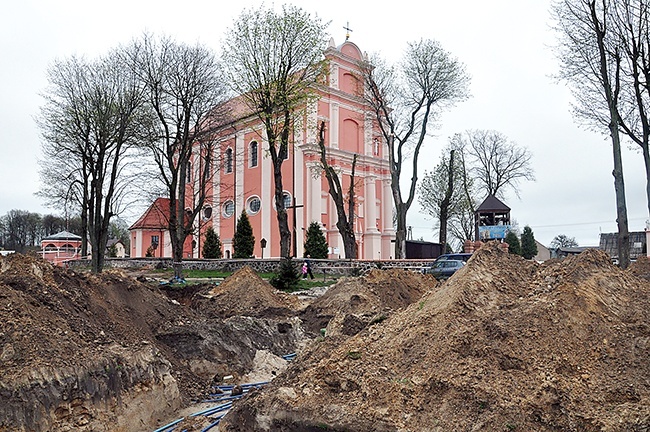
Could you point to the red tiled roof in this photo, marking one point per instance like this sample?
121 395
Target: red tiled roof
156 216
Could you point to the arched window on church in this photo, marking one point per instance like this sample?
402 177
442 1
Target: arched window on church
252 154
228 161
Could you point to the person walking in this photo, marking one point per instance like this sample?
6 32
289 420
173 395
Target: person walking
307 264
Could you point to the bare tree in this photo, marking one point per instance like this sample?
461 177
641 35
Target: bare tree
275 61
184 91
345 221
91 116
64 179
21 230
406 99
495 162
631 32
562 241
592 65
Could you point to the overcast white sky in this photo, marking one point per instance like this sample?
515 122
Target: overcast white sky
504 43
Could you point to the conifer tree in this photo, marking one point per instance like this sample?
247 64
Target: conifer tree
315 243
287 278
244 240
212 245
528 245
514 247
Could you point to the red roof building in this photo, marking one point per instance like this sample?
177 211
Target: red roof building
150 235
61 247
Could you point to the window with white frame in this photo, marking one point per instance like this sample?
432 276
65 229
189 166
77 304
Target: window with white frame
252 154
253 205
228 208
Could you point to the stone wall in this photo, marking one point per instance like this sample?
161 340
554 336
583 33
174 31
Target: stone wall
269 265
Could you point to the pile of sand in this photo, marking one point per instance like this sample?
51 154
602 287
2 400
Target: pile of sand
244 293
506 344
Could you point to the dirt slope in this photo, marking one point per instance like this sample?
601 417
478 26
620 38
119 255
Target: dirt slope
244 293
504 345
641 267
108 353
352 303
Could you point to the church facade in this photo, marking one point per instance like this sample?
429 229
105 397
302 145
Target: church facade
244 181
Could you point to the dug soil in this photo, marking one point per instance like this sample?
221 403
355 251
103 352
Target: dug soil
505 344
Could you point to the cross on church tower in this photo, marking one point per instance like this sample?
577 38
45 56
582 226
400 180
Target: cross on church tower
347 30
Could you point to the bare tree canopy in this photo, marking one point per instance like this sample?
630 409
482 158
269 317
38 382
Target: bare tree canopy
184 90
275 60
563 241
496 163
631 29
406 99
592 64
89 124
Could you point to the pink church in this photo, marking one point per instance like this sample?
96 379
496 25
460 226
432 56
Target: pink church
245 181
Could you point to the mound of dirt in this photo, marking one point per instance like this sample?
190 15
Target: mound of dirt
68 340
506 344
105 352
352 303
244 293
641 267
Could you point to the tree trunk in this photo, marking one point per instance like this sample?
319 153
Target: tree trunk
611 93
400 232
283 219
444 205
646 160
621 207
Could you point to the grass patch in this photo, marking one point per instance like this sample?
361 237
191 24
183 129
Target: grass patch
188 274
354 355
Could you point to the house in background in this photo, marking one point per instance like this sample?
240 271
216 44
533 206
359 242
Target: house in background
120 248
61 247
243 181
638 244
563 252
543 253
150 236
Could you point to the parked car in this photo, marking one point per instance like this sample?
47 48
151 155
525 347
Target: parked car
443 269
455 256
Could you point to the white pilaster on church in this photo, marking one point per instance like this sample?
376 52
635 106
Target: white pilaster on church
311 128
314 193
267 188
370 203
367 135
216 192
371 236
387 231
334 239
239 173
334 125
301 198
334 76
